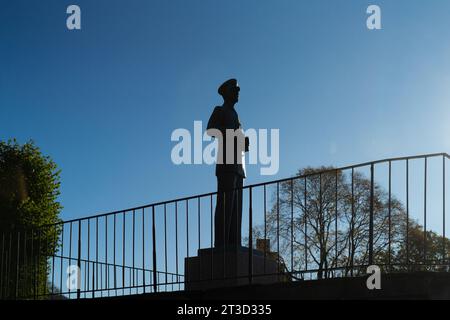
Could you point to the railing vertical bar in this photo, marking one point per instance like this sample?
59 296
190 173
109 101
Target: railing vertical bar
237 241
143 250
24 289
212 235
239 193
187 233
321 217
95 288
250 237
176 241
265 229
305 215
130 284
79 261
352 224
407 212
37 284
89 257
34 265
3 279
155 280
390 216
106 256
444 256
123 250
94 278
16 289
134 236
70 252
165 243
371 214
101 280
3 263
114 253
425 211
53 266
292 225
278 228
224 236
199 239
4 282
336 220
3 288
8 268
4 285
86 282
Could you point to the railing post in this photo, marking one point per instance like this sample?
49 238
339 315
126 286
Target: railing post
371 215
443 210
278 229
336 221
390 217
305 213
425 213
79 261
165 244
155 284
24 289
407 212
143 249
250 238
292 225
34 263
37 283
16 287
1 266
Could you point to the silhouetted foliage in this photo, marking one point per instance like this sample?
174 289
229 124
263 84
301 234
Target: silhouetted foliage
29 187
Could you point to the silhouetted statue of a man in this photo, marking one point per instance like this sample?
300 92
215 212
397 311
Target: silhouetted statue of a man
230 168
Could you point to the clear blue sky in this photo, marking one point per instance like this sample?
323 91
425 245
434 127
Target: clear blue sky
103 101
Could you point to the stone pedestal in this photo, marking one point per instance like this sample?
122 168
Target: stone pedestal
218 267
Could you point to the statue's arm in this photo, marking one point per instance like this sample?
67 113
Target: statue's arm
215 123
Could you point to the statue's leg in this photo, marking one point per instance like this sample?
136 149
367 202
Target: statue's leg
236 213
225 186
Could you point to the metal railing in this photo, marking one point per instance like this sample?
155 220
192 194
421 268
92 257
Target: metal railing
326 222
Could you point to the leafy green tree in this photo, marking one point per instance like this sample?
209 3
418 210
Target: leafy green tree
29 212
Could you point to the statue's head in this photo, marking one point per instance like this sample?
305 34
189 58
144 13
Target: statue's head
229 90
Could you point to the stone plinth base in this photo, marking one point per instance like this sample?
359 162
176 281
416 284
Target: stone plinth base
218 267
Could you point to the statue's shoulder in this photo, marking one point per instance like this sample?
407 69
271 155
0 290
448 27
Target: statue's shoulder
218 110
